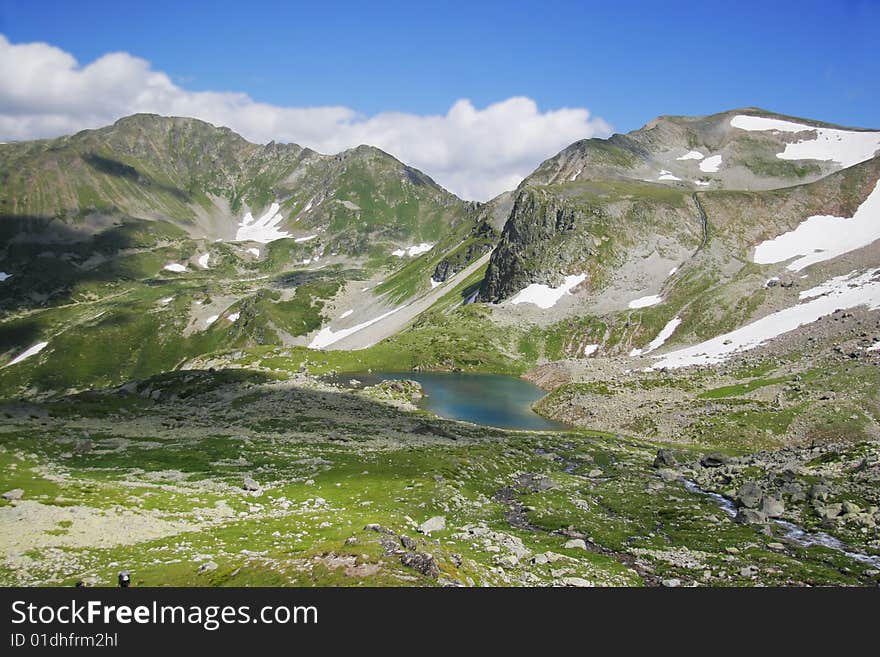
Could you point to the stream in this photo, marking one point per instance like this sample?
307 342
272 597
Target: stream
793 533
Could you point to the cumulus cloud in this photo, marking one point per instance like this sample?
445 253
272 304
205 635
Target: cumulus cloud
475 153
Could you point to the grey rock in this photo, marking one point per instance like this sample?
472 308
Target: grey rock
664 459
575 544
408 543
772 507
422 562
714 460
671 583
250 484
747 516
14 494
207 567
434 524
749 495
576 581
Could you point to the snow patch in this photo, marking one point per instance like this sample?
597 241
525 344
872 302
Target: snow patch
347 313
590 349
255 251
545 296
176 267
664 334
165 301
37 348
263 230
418 249
671 272
305 239
839 293
203 260
874 347
212 319
711 164
435 283
771 281
4 276
702 183
846 147
234 317
644 302
327 336
691 155
666 175
822 237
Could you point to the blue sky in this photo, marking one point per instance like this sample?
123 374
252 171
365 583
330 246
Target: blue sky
627 62
618 64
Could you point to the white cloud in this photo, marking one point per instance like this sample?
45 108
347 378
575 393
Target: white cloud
476 153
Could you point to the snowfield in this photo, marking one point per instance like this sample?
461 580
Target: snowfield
711 164
664 334
327 336
203 260
822 237
37 348
175 267
839 293
545 296
846 147
418 249
644 302
691 155
263 230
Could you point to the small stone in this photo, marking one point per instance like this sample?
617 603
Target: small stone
207 567
595 472
731 550
575 544
776 546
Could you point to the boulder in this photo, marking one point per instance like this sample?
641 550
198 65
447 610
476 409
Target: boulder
575 544
14 494
250 484
713 460
749 495
747 516
671 583
851 508
772 507
408 543
664 459
422 562
576 581
434 524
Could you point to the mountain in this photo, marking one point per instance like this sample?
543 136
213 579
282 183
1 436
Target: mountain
202 341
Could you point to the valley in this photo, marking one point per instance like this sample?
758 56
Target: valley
184 316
